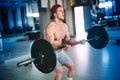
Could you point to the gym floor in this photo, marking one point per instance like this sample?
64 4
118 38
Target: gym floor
90 63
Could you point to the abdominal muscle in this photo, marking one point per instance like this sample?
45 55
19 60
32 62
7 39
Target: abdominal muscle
59 35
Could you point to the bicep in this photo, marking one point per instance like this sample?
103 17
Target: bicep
67 38
49 35
67 35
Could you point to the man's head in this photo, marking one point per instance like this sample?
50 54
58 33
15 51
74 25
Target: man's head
57 11
54 8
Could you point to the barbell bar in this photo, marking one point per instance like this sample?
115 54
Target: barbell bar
79 42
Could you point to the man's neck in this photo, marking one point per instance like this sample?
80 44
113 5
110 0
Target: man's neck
58 21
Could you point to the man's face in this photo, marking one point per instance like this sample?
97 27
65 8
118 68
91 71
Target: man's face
59 13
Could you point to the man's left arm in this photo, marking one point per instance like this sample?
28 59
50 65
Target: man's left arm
68 39
71 41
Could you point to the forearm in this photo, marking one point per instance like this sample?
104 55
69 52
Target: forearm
72 41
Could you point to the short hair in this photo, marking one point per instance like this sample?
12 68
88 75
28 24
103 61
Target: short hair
52 16
54 8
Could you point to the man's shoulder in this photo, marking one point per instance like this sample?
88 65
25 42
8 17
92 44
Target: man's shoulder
65 25
50 25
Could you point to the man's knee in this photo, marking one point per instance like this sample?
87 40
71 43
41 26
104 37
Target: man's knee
70 66
59 70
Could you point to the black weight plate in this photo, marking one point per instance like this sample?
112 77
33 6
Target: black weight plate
44 54
102 35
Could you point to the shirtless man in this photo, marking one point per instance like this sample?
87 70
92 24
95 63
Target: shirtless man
56 32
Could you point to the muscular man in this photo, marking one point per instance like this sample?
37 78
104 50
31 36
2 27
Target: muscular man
56 32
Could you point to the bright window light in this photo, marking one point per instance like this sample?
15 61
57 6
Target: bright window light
32 10
79 23
29 14
105 4
35 14
32 14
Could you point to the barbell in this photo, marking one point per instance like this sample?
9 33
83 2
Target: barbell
43 55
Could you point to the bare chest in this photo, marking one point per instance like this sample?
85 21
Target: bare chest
60 33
